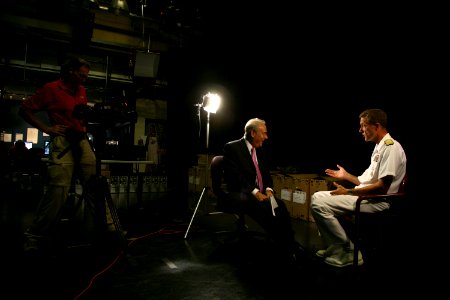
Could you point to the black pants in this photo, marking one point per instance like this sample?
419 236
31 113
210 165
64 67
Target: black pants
278 227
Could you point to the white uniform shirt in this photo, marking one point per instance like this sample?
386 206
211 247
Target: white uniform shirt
387 159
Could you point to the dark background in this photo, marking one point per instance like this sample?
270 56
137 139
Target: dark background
309 73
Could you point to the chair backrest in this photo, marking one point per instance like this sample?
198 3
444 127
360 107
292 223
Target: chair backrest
219 189
402 187
216 169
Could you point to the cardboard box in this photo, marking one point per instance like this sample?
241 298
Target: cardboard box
192 173
304 176
204 159
301 200
200 180
106 173
163 184
278 180
133 190
286 197
330 181
115 185
147 183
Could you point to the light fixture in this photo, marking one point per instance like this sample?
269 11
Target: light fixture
119 6
211 102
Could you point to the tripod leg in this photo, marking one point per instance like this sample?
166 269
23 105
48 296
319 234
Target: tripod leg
113 211
195 212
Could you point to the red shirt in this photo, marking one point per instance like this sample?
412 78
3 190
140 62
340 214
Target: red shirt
58 100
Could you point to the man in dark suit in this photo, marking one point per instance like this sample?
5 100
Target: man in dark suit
245 193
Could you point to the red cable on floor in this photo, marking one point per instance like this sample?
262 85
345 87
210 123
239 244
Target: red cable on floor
159 232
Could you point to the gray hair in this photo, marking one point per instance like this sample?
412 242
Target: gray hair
252 124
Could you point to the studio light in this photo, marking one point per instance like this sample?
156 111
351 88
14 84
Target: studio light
211 102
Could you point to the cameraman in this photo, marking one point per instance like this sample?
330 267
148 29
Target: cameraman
69 147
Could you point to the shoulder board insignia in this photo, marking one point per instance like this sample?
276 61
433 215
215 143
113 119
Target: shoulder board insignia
389 142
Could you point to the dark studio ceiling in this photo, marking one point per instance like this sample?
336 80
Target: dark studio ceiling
322 45
40 35
169 23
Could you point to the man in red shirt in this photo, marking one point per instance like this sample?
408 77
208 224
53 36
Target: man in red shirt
69 146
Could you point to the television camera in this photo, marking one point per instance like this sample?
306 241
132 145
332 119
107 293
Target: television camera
106 114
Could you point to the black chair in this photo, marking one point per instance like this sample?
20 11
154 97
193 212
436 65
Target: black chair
361 224
222 205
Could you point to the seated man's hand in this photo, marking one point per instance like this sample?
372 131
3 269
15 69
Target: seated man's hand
340 190
261 197
269 193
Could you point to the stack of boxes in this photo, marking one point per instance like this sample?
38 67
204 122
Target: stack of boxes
199 176
154 187
296 191
119 191
136 189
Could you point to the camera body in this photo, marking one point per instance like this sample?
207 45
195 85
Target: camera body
107 114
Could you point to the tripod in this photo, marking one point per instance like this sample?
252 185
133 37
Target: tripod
97 191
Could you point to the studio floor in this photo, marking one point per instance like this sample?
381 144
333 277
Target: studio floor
160 261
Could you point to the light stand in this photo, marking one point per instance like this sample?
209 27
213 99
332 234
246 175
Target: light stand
211 103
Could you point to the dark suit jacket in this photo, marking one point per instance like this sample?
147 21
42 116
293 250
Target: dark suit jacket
240 179
239 170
